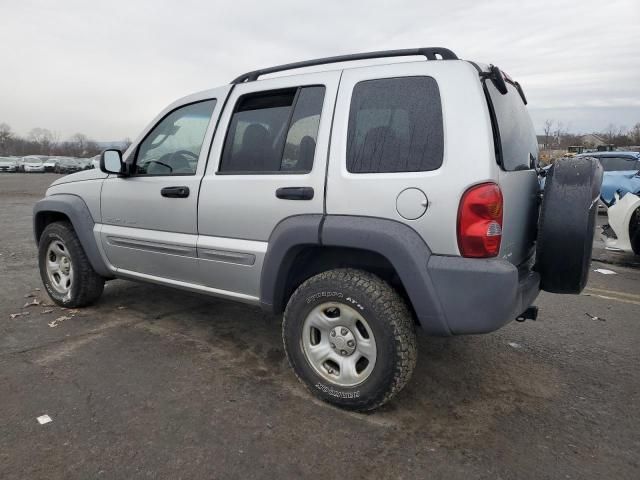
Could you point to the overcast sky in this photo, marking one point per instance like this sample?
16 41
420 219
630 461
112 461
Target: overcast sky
106 68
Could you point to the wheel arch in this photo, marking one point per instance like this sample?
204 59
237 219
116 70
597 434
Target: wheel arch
304 245
71 208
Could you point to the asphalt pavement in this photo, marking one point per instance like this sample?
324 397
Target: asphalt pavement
157 383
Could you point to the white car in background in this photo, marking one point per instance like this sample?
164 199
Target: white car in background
622 233
8 164
50 164
33 165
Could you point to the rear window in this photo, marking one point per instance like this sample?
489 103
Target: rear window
395 125
518 143
619 164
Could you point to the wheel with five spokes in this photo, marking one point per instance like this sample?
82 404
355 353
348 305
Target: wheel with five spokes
350 339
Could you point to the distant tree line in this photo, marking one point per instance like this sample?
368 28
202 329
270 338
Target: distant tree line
41 141
555 134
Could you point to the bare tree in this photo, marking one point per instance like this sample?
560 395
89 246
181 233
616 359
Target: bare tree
559 132
548 126
80 145
634 134
5 136
610 133
43 139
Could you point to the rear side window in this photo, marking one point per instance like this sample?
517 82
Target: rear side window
619 164
274 132
395 125
518 141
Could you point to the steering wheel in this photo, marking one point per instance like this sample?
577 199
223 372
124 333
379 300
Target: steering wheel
185 153
158 162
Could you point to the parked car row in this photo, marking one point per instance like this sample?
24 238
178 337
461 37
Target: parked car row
41 164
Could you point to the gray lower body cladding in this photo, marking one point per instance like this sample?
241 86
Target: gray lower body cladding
450 295
481 295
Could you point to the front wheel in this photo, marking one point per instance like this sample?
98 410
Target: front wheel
66 272
350 338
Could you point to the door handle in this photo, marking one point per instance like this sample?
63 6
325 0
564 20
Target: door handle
175 192
295 193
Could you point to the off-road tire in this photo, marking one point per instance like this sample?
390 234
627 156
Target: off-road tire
87 285
567 224
388 317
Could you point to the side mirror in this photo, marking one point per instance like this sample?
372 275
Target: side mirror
111 162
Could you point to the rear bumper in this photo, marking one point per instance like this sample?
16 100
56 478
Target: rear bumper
481 295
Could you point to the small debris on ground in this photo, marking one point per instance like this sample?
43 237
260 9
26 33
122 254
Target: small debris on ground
29 295
605 271
594 317
58 321
19 314
42 419
514 345
35 301
121 307
48 310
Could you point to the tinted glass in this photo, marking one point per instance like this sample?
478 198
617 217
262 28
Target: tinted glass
274 132
301 141
518 139
174 144
395 125
618 164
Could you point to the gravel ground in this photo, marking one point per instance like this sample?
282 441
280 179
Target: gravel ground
153 382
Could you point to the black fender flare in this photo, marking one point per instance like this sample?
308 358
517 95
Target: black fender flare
74 208
288 238
400 244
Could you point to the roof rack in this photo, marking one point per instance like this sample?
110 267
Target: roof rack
431 53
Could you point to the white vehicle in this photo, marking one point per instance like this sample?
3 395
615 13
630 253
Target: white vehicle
623 232
50 164
8 165
33 165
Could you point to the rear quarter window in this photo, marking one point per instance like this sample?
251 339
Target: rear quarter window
395 125
518 142
619 164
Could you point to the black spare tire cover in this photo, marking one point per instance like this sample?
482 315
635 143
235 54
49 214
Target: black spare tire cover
567 224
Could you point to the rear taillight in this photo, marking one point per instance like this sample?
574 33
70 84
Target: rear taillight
480 221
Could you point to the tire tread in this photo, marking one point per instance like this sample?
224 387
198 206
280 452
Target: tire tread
388 304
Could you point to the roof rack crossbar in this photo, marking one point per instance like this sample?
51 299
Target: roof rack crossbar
431 53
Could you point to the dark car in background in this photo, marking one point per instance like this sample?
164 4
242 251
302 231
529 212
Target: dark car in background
68 165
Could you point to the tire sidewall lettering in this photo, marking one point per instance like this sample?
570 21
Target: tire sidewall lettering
338 296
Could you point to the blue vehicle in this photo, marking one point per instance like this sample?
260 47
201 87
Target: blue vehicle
621 173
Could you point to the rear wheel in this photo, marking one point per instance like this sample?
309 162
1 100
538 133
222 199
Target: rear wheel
350 338
65 270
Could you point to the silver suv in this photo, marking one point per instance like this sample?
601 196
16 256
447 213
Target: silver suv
362 202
